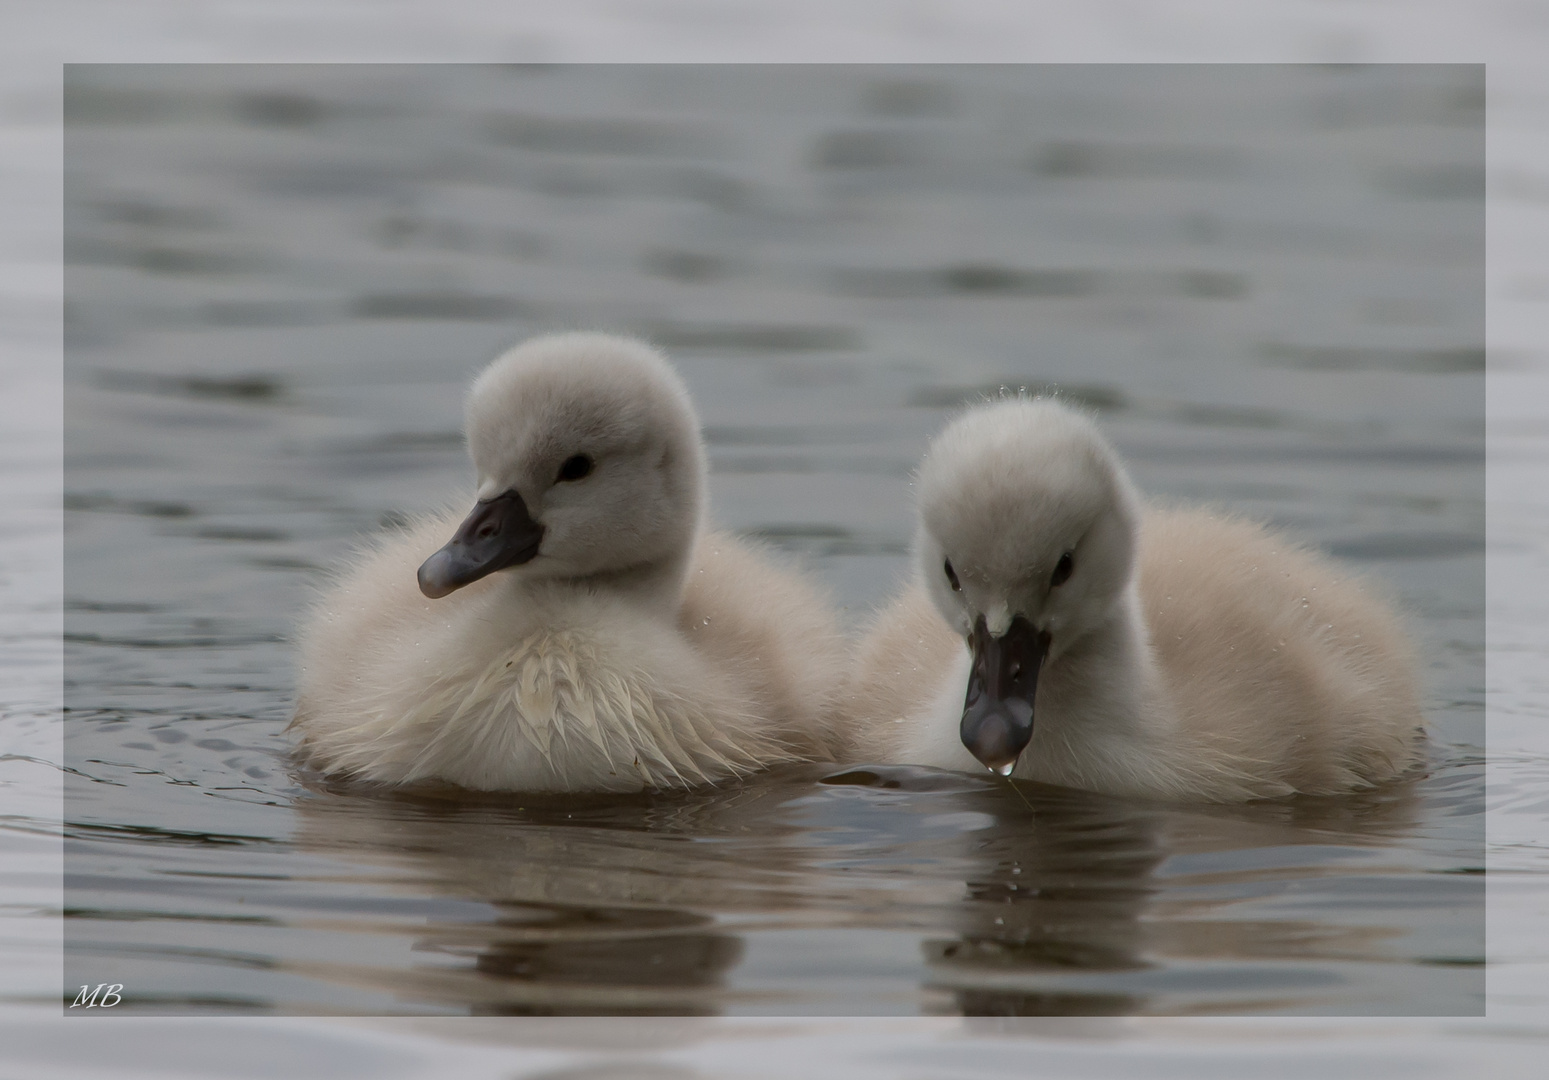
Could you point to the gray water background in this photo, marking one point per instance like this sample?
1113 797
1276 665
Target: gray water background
1268 282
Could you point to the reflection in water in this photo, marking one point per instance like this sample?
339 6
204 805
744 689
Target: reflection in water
594 905
1091 891
1025 901
568 960
1063 892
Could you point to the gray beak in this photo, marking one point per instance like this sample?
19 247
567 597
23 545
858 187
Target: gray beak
998 713
499 533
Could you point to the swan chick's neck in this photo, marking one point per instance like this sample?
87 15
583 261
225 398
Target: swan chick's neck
650 586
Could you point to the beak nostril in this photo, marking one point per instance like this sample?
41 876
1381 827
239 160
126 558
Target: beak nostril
500 533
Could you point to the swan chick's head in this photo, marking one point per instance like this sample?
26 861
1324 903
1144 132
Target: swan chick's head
588 459
1026 543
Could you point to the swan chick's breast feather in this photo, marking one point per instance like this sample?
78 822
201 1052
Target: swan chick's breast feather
555 712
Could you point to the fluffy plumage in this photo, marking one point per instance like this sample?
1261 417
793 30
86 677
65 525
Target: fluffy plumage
633 650
1189 656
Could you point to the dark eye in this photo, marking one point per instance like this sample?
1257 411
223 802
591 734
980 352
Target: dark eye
957 586
1062 570
575 468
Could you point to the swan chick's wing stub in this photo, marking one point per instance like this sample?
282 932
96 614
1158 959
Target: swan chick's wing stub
499 533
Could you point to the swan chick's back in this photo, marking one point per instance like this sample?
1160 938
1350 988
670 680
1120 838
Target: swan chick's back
1122 647
580 631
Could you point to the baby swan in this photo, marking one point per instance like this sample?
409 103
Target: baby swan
1121 648
579 631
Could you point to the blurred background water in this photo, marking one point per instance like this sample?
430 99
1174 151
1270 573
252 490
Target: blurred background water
1267 281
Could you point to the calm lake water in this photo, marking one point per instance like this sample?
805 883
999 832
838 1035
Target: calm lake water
1269 282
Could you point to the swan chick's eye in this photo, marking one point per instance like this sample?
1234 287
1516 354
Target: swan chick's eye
1062 570
575 468
957 586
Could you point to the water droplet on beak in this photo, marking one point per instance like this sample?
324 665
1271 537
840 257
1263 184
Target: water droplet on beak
1003 770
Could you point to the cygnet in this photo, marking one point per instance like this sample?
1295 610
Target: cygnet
1060 629
580 630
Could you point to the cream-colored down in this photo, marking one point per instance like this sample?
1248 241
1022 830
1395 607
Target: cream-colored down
1193 656
636 650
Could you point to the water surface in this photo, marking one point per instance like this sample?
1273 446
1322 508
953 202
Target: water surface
1267 282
